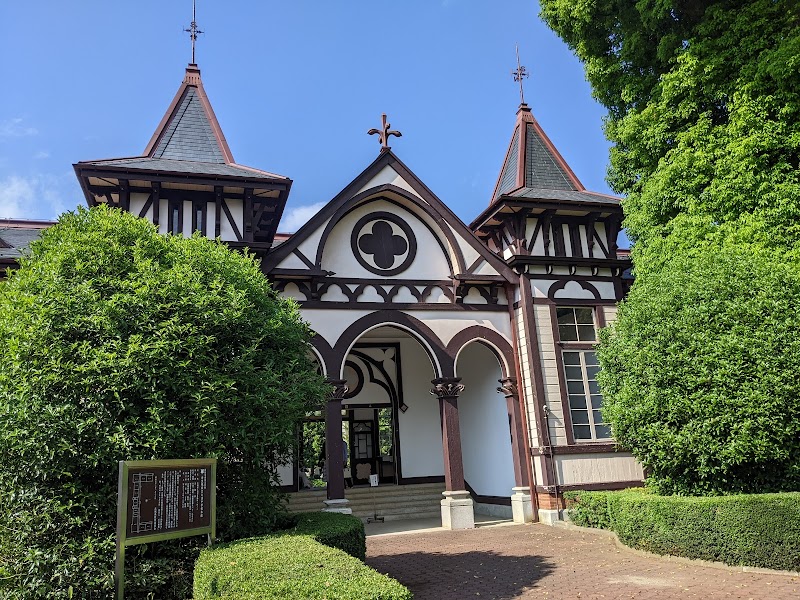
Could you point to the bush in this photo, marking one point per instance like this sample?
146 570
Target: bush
119 343
344 532
311 561
699 373
759 530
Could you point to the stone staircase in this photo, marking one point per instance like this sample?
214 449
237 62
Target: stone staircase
393 502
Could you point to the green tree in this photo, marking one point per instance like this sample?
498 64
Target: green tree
700 373
119 343
703 96
704 111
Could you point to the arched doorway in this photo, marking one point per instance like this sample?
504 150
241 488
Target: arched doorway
391 421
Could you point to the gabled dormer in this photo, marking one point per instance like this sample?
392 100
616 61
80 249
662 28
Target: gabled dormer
541 214
187 180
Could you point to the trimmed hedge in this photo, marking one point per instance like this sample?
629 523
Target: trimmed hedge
758 530
318 558
344 532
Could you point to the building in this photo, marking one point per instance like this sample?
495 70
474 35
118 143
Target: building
456 353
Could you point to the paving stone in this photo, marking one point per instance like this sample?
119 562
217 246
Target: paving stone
536 561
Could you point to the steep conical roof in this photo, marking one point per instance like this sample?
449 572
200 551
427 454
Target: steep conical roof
189 129
188 140
532 162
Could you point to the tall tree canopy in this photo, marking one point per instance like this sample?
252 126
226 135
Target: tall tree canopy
704 113
703 97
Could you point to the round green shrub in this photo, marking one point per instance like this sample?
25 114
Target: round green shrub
701 373
117 343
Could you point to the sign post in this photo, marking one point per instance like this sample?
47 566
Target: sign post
373 483
161 500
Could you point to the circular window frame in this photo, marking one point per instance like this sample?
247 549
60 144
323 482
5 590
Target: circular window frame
391 218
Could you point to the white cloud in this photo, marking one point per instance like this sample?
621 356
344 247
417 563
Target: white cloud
299 216
41 154
34 197
16 128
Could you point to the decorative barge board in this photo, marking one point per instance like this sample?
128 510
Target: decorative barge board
561 242
386 261
186 180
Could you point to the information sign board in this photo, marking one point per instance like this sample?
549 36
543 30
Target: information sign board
161 500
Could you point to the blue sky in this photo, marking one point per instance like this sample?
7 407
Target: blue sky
295 86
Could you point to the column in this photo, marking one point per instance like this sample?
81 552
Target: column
521 507
457 509
334 461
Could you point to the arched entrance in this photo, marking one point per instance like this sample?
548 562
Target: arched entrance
390 421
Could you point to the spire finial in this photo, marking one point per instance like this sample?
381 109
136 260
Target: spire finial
519 75
384 133
193 30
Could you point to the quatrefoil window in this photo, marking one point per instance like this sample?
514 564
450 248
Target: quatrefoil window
383 243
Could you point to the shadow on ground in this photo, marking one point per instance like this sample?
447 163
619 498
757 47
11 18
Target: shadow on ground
486 575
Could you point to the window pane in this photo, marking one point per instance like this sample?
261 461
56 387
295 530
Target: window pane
590 358
586 333
580 417
592 371
597 417
565 315
574 372
603 431
568 333
582 432
575 387
577 401
597 401
594 388
572 358
584 316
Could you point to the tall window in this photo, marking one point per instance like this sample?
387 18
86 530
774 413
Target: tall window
585 400
575 328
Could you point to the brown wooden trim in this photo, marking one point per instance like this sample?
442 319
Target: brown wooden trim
218 198
578 448
420 480
438 306
156 193
496 343
496 500
117 172
231 220
576 302
562 283
146 207
535 369
602 486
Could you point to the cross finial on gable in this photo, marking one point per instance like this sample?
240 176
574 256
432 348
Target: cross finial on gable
193 30
519 74
384 133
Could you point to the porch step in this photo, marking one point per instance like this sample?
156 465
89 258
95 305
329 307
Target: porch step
392 502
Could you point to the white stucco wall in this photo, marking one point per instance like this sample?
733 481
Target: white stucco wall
419 428
483 418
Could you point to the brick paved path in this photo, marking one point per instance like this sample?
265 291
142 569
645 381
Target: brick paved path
536 561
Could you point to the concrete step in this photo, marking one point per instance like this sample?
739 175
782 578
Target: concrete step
433 500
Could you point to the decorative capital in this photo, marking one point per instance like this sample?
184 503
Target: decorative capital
338 391
447 387
508 386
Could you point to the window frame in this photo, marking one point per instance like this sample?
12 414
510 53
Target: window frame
581 346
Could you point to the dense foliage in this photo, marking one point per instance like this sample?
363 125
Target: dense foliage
759 530
704 117
700 373
117 343
704 110
319 559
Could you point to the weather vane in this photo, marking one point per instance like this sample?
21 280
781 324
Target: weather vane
193 31
520 74
384 133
